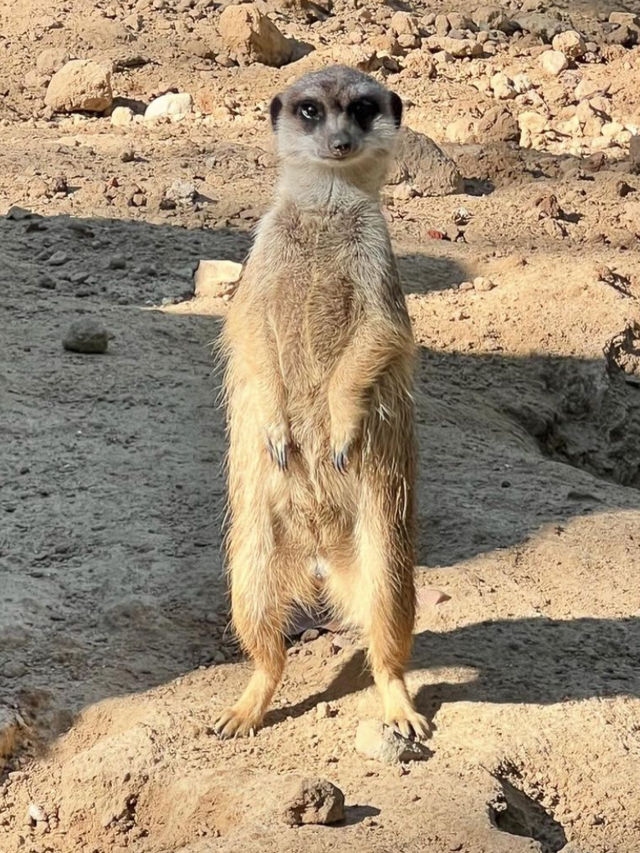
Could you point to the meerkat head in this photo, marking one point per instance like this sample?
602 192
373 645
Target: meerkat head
336 118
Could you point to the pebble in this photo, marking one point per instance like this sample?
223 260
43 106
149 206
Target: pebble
482 284
553 62
382 743
175 104
216 278
122 116
323 710
86 336
570 43
36 813
253 37
310 635
58 258
117 262
181 191
313 801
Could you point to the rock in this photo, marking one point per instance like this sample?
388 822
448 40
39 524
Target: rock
623 35
493 18
532 125
171 104
58 259
323 710
309 635
553 62
313 801
545 26
521 83
570 43
181 192
587 89
80 85
216 278
420 64
458 48
382 743
86 336
462 130
460 22
253 37
497 125
51 60
121 116
36 813
482 284
442 25
420 163
502 86
403 23
629 19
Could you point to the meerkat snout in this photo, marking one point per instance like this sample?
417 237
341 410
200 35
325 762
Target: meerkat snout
335 117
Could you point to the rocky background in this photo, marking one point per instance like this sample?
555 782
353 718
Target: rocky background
136 144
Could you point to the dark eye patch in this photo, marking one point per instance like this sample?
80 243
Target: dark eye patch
309 111
363 111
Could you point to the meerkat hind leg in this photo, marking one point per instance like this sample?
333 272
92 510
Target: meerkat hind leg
259 616
388 572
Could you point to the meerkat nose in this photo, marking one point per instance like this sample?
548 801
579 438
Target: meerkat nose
340 144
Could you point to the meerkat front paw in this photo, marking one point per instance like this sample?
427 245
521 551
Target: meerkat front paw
340 458
278 444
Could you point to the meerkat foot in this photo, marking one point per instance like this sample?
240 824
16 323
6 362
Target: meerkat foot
400 712
278 445
235 722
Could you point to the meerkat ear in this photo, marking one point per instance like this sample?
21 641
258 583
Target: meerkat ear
274 109
396 108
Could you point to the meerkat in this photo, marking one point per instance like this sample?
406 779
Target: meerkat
319 361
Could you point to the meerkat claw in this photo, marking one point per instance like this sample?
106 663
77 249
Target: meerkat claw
340 460
279 453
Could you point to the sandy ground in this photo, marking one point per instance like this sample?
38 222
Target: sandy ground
115 650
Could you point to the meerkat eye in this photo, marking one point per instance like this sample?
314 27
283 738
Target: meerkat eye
309 111
364 110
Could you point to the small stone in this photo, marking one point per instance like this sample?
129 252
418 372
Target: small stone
465 285
587 89
382 743
423 165
36 813
216 278
58 259
181 192
482 284
553 62
458 48
175 104
502 86
623 189
80 85
323 710
86 336
252 36
51 60
623 35
127 155
629 19
570 43
117 262
313 801
122 116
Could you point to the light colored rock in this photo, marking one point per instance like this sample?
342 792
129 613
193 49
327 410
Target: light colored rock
121 116
553 62
497 125
216 278
502 86
80 85
86 336
611 129
420 163
521 83
51 60
482 284
629 19
570 43
404 23
591 88
461 131
253 37
382 743
171 104
458 48
532 126
313 801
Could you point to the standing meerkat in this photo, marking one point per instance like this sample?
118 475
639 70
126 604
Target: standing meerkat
318 385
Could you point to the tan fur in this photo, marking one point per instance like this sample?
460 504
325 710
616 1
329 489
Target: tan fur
319 356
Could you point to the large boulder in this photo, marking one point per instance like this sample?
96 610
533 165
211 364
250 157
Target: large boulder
80 86
422 164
